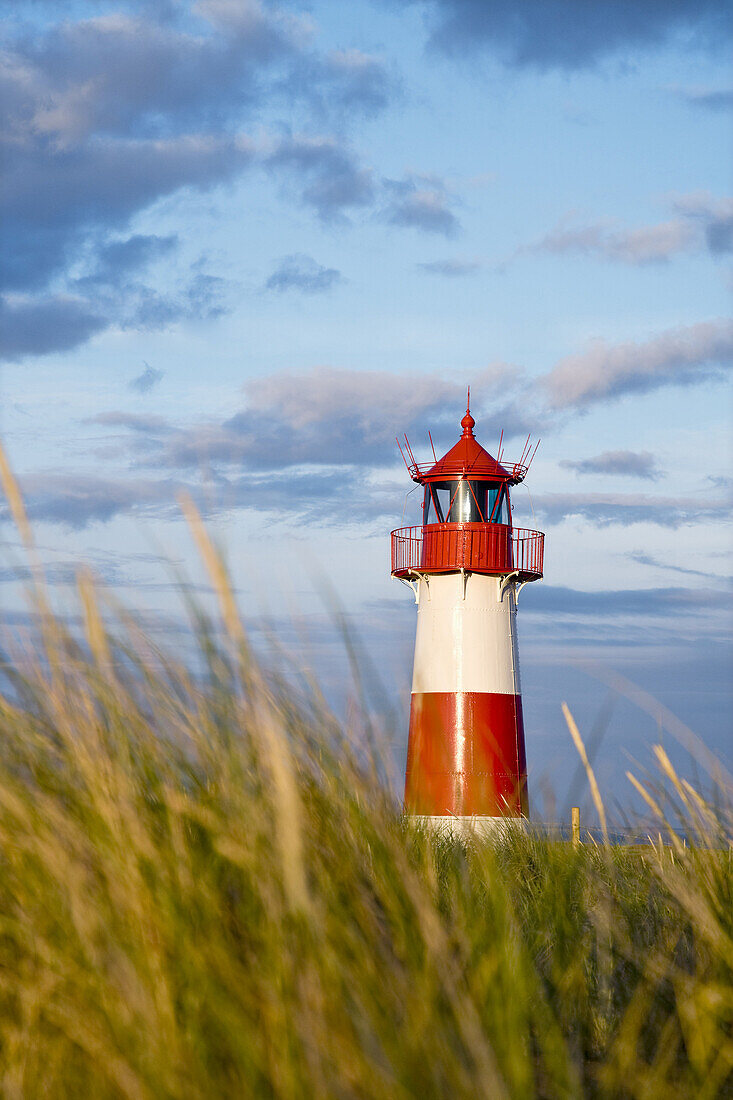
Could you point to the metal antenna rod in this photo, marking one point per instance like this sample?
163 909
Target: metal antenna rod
534 452
403 455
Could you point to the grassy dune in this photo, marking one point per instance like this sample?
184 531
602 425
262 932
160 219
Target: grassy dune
206 891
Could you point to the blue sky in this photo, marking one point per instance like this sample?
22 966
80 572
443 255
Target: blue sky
246 244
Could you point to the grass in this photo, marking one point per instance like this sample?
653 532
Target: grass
206 891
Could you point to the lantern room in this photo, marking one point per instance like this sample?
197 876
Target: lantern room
467 515
466 501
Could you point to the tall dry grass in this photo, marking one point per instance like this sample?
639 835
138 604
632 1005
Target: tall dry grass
206 891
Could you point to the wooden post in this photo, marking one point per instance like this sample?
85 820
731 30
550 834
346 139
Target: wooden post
575 825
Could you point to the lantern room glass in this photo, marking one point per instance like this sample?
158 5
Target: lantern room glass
466 501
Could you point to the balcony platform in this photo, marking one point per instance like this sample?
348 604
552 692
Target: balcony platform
491 548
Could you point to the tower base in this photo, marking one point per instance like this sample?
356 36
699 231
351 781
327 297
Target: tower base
479 827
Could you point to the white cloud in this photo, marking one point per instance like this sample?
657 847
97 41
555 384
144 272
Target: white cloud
701 223
625 509
648 244
680 356
641 464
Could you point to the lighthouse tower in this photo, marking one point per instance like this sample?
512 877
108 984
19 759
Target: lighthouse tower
466 765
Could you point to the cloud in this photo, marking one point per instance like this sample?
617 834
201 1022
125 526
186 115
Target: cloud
639 464
327 173
58 573
420 202
56 200
637 602
145 382
329 416
108 114
105 116
451 268
57 203
713 216
721 481
145 310
720 235
647 245
36 326
565 34
604 509
114 283
77 500
679 357
201 297
110 296
357 79
701 223
343 82
115 73
713 99
316 444
642 558
310 441
135 422
300 272
66 573
117 259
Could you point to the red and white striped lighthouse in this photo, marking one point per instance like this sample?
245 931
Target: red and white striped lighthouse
466 761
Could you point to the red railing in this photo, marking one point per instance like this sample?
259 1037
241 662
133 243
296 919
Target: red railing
516 470
479 547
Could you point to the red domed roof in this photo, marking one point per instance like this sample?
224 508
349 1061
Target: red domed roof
467 457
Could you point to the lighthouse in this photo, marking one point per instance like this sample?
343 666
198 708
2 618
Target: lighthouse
466 564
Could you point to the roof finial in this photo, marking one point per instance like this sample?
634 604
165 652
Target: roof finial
468 422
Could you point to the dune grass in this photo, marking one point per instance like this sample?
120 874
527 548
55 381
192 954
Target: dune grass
206 890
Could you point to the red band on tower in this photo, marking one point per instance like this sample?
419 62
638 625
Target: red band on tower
466 755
